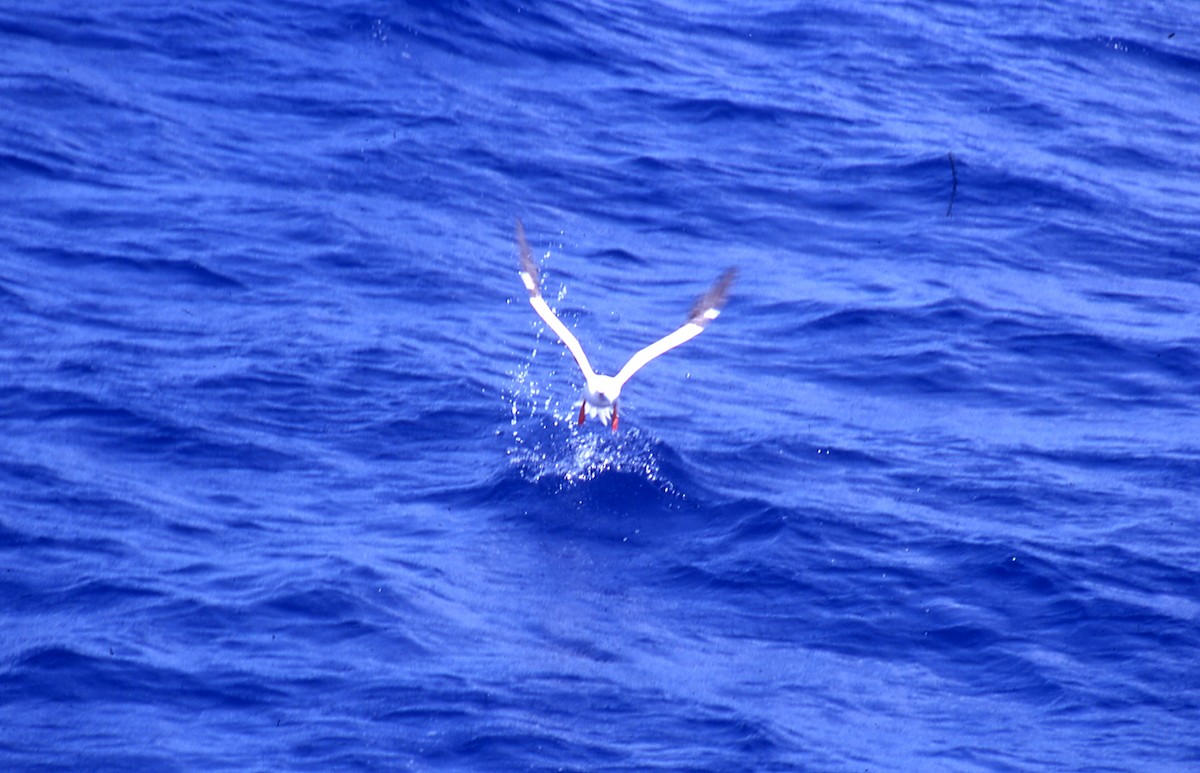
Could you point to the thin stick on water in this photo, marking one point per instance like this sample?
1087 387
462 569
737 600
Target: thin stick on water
953 183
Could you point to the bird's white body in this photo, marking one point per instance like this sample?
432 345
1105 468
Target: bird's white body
600 395
600 392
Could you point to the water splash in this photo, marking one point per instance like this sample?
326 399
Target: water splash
551 447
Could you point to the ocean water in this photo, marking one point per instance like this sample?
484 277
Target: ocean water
289 473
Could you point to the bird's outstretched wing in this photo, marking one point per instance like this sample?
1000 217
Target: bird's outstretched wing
529 275
705 310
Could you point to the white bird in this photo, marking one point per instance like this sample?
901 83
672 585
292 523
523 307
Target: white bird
600 392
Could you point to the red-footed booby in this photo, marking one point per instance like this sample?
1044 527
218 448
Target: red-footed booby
600 392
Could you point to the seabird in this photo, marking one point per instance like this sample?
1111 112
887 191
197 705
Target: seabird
600 392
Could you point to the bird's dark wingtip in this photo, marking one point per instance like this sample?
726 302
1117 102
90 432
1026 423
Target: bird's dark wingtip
708 306
529 269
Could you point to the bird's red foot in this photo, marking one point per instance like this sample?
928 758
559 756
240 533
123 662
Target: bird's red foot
615 419
581 412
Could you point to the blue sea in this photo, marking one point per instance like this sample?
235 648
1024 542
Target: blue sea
290 477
